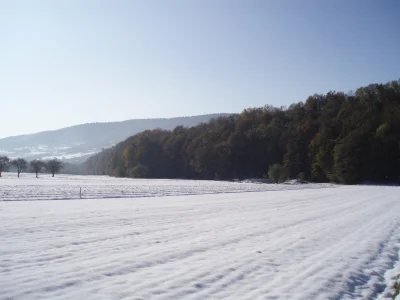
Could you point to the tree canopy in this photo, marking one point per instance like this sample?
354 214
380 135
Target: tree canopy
37 166
54 166
332 137
4 164
20 164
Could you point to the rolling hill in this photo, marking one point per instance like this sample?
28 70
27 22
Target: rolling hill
76 143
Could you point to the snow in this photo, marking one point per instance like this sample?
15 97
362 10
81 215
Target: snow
63 152
64 155
195 239
392 278
64 187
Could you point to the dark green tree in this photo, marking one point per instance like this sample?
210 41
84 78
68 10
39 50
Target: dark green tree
277 173
351 158
140 171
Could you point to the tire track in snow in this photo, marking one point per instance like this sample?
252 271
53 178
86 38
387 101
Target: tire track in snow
312 244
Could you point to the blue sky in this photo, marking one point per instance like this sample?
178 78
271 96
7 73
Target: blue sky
69 62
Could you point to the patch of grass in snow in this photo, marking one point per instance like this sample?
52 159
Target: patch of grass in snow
396 287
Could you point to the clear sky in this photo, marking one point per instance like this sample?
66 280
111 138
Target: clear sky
69 62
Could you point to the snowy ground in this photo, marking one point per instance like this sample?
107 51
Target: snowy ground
223 241
62 187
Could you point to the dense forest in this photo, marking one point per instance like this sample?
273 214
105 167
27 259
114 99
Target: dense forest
337 137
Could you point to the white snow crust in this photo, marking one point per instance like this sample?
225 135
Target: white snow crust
195 239
63 187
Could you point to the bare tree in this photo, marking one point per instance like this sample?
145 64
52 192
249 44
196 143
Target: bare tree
37 166
54 166
4 163
20 163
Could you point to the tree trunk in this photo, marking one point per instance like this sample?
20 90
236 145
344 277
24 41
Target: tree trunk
18 173
0 174
37 175
53 175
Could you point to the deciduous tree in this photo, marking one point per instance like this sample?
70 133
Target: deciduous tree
37 166
4 163
54 166
20 164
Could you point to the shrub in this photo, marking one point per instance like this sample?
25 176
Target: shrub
140 171
301 177
275 173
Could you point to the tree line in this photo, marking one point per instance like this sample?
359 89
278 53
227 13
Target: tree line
37 166
335 137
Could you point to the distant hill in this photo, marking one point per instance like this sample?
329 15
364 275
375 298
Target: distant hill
76 143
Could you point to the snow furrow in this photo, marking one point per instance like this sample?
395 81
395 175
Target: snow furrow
292 244
67 187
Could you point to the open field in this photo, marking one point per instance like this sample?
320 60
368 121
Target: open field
64 187
195 239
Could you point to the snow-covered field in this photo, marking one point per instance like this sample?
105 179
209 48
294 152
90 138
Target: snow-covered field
64 187
195 239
